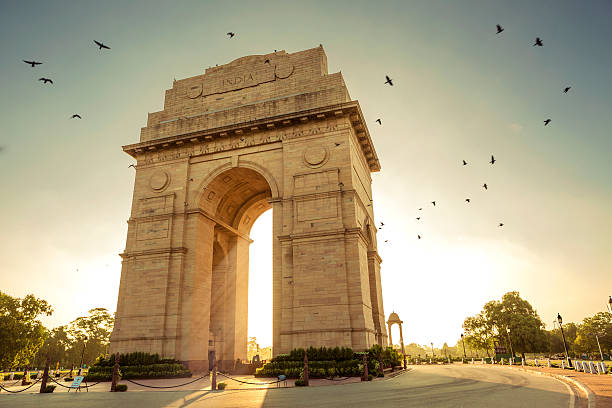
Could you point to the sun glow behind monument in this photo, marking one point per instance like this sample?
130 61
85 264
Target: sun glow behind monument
260 280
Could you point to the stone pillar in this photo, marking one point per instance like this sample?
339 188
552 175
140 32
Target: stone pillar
390 338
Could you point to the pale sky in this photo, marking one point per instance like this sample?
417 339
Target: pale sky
461 92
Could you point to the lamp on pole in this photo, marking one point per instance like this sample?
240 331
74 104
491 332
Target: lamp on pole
83 354
432 351
560 320
510 341
462 341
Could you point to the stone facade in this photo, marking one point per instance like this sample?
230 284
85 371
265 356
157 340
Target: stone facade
264 131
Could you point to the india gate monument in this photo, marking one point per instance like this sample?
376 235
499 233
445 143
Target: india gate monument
263 131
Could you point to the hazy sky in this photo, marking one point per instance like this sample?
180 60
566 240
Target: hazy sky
461 92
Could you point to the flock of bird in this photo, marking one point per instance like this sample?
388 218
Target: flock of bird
45 81
389 81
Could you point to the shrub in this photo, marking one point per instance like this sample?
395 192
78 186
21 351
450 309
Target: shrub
121 388
221 386
49 388
370 377
300 383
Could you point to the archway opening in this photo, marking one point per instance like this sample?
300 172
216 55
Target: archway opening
233 200
260 288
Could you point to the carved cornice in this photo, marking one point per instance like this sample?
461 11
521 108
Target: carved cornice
157 251
351 109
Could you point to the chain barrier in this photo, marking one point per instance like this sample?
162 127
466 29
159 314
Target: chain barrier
80 386
169 386
27 388
246 382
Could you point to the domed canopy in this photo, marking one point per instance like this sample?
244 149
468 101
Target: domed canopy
394 318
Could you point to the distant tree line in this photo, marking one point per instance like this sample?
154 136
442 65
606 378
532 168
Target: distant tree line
25 341
513 320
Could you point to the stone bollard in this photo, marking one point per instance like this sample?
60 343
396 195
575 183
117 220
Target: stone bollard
549 365
563 364
306 369
365 367
522 362
12 376
26 375
115 374
510 359
536 362
592 367
482 361
213 381
577 365
472 360
43 383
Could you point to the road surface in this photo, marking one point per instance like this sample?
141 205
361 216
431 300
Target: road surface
423 386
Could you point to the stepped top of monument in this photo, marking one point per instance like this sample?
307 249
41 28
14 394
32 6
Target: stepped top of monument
253 93
247 89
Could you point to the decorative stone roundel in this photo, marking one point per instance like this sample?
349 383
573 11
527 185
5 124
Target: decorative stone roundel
315 156
159 180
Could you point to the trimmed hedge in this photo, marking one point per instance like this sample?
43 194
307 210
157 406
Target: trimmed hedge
135 359
99 373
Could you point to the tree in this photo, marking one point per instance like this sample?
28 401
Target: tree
601 325
90 333
252 348
56 346
21 334
479 333
526 328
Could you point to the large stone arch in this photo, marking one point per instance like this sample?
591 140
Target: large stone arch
229 144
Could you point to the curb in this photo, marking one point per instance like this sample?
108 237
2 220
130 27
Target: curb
582 387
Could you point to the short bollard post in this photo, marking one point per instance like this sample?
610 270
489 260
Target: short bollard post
213 381
510 359
563 364
536 362
380 365
71 370
549 363
523 361
482 360
306 369
365 367
115 374
43 383
405 366
25 379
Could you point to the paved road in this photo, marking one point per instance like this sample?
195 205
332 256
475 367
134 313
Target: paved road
424 386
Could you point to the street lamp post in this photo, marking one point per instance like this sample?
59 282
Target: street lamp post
83 355
560 320
433 355
462 341
510 341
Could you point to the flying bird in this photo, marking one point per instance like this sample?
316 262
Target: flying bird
434 203
379 121
388 80
32 63
337 144
382 223
485 186
231 34
492 160
131 165
418 236
538 42
464 163
386 240
499 28
467 200
418 218
76 115
501 224
100 45
420 209
546 122
45 80
267 61
567 89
